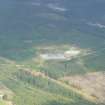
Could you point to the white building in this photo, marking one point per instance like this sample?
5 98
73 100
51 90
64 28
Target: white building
1 96
72 53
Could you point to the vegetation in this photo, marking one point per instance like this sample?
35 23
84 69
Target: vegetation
3 103
32 90
26 26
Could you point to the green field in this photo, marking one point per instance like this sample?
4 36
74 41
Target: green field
36 90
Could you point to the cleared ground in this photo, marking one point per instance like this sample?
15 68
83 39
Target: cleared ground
91 83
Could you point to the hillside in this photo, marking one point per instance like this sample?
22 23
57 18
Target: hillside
52 52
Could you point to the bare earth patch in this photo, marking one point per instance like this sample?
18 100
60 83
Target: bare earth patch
5 93
92 84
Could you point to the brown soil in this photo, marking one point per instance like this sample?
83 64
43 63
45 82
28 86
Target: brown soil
92 83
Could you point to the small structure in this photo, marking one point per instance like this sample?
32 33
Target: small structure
1 96
71 54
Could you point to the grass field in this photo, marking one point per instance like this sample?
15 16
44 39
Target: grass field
36 90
